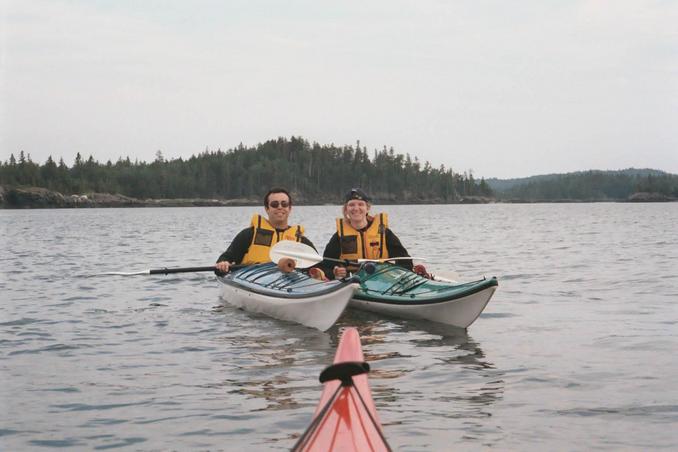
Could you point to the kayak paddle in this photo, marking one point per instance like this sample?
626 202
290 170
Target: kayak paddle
166 271
305 256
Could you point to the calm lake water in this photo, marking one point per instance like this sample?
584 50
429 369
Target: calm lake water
576 351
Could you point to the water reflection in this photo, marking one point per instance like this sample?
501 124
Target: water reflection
427 370
270 360
419 369
275 391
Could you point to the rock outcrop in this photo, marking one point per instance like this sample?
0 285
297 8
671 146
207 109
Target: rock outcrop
37 197
32 197
650 197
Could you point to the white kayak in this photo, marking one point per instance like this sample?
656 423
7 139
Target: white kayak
293 296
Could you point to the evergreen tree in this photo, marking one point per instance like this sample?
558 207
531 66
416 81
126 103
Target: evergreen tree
313 172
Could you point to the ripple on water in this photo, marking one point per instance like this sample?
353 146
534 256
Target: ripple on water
80 298
99 407
666 413
57 443
50 349
66 389
121 442
20 322
103 421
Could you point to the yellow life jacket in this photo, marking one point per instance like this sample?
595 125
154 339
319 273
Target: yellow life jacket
264 237
367 244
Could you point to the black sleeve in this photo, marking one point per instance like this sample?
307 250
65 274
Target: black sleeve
332 250
306 241
396 249
238 247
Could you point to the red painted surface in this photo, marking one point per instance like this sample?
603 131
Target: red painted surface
347 426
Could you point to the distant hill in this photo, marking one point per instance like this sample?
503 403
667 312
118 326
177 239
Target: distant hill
592 185
502 185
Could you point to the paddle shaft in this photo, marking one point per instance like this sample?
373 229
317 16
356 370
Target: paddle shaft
317 258
314 257
167 271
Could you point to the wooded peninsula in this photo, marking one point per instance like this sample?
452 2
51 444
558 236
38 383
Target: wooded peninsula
314 173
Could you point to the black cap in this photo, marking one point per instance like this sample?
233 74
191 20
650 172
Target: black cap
356 193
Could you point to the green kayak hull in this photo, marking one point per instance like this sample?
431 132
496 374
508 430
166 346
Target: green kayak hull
392 290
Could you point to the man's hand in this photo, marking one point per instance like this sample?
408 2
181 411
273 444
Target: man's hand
420 270
317 273
223 267
339 272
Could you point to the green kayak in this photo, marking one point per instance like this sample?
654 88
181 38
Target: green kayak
392 290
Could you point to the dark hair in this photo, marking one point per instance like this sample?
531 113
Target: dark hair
276 190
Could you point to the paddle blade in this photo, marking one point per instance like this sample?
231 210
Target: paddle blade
303 255
448 277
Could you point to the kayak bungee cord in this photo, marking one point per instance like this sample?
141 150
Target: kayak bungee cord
374 421
306 436
401 282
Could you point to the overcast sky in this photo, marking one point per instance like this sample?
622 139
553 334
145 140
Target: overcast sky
507 89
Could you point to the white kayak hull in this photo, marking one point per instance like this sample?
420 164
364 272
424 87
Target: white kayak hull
319 312
459 312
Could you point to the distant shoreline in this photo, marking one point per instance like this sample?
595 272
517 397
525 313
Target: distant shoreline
42 198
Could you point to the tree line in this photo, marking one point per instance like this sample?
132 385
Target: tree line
319 173
593 186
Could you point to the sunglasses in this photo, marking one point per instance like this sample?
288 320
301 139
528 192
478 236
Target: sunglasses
275 204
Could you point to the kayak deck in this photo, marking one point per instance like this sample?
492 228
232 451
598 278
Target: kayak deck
345 418
267 279
392 290
392 284
292 296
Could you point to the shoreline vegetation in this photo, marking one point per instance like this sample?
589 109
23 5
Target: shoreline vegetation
42 198
315 174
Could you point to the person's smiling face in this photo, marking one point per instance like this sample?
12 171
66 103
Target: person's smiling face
278 209
356 212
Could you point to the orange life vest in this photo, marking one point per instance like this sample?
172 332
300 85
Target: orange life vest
264 237
367 244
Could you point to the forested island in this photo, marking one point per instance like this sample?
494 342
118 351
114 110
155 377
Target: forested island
635 185
314 173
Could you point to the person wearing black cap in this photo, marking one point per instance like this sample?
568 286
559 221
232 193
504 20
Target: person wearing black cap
362 236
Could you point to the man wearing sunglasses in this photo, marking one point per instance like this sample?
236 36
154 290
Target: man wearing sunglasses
252 244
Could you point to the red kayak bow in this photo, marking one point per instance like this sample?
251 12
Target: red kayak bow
346 418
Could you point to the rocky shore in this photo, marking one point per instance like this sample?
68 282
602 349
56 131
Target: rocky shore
650 197
41 198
